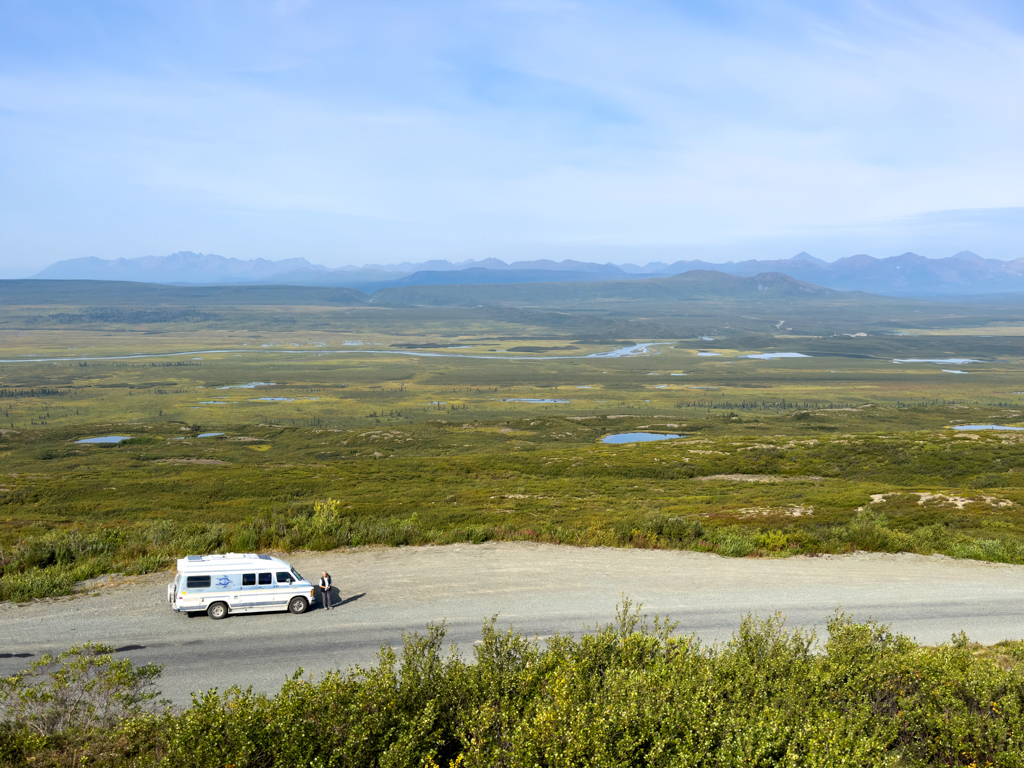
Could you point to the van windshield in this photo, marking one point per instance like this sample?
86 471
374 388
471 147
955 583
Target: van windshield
296 575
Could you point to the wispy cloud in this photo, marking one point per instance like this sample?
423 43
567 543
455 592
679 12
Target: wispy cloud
356 131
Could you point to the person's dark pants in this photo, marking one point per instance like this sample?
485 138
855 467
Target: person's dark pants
325 597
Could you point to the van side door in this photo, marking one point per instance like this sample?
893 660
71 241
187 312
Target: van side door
246 595
269 597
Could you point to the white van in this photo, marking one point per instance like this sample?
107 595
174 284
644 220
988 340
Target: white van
237 583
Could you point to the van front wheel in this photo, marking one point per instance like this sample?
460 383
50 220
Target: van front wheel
217 611
298 605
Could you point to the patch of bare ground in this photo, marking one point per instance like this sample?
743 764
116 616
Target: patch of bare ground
761 478
942 499
790 511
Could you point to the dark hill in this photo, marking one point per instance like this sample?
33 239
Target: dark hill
698 284
909 274
121 293
483 276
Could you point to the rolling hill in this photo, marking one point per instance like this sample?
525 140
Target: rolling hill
124 293
702 284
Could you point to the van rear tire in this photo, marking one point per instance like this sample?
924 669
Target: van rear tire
217 611
298 605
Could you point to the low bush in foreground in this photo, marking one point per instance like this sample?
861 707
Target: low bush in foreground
626 694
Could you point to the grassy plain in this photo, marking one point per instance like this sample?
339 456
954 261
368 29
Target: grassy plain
413 421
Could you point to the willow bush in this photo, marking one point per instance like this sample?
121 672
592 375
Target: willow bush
628 694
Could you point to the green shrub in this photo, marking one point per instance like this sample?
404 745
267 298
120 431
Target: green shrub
38 582
83 689
629 693
732 542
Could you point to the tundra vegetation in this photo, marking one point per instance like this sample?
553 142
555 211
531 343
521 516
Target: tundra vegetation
332 423
629 693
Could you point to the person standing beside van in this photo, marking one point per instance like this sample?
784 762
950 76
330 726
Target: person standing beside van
325 590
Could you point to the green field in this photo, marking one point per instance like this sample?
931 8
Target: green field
412 420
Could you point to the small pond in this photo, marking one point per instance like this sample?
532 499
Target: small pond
250 385
709 354
773 355
973 427
531 400
106 440
211 434
271 399
637 437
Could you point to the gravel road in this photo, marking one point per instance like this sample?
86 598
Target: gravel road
540 589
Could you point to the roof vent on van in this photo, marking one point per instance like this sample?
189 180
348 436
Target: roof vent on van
264 557
195 558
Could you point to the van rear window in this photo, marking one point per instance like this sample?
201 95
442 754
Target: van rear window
248 579
197 582
266 578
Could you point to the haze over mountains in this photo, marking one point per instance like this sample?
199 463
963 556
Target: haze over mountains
907 275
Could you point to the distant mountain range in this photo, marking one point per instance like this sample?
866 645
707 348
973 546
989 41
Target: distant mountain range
908 275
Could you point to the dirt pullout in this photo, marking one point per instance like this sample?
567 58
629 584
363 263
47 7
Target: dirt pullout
540 589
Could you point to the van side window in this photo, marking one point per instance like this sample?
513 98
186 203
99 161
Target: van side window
266 578
248 579
283 577
197 582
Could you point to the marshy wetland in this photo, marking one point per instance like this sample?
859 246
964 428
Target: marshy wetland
312 426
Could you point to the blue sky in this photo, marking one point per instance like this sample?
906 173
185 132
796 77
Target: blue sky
388 131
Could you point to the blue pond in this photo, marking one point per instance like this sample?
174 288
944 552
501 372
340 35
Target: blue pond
107 440
530 400
250 385
637 437
774 355
973 427
211 434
